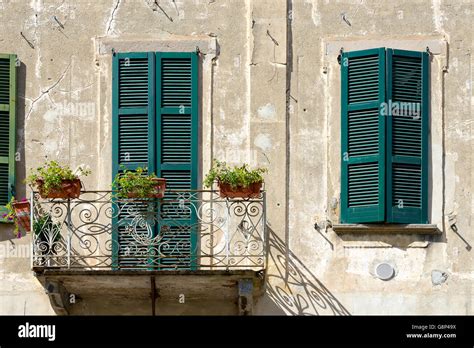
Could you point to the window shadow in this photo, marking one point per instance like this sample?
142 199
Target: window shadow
292 287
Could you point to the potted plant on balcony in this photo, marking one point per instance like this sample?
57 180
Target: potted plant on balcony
56 181
18 212
235 182
138 184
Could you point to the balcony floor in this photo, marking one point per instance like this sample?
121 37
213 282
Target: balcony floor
138 285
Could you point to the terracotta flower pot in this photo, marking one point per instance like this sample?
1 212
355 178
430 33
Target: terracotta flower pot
251 191
23 214
69 189
160 188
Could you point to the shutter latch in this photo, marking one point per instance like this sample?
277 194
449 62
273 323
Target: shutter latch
428 51
339 57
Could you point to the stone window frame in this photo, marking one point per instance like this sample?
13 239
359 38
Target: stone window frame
438 48
104 48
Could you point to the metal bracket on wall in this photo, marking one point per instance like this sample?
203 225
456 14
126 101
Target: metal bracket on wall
245 297
154 295
58 296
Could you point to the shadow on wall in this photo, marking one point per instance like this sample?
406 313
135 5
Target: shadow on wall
293 288
20 133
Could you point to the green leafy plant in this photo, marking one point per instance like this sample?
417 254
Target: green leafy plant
235 176
136 183
51 175
10 216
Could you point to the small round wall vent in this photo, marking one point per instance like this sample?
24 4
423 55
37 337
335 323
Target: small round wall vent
384 271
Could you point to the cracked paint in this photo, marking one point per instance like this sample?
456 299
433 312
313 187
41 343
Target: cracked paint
263 141
267 111
315 14
243 105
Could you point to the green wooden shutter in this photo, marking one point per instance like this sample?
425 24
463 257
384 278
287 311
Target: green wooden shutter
407 136
7 129
133 139
177 153
363 136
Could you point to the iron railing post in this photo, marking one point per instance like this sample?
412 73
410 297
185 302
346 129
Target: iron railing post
265 231
32 229
226 236
69 233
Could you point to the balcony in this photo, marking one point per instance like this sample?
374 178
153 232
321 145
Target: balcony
196 239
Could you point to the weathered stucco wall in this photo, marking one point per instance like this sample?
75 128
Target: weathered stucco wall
65 113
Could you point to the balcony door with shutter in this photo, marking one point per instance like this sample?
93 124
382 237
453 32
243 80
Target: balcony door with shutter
7 129
155 125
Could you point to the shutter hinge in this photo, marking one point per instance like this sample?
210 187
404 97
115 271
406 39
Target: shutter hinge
113 51
12 190
339 57
428 51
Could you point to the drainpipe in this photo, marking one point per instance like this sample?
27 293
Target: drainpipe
289 70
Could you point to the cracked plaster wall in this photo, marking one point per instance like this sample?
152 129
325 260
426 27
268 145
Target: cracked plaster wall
65 113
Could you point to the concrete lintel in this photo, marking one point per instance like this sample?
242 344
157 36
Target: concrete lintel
437 45
174 43
386 229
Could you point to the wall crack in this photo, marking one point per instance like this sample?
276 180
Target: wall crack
112 17
46 92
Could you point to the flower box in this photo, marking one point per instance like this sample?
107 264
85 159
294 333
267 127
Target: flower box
23 214
251 191
68 189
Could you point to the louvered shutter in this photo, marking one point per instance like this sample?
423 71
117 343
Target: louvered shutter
133 139
7 128
177 156
363 136
407 136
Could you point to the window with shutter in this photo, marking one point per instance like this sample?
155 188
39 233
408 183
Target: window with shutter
7 129
384 140
155 125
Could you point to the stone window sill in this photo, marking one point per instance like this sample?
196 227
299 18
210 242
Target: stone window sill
386 229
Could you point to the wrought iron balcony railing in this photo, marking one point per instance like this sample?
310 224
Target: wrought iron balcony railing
191 230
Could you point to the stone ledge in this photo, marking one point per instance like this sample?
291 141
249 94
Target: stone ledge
202 284
386 229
